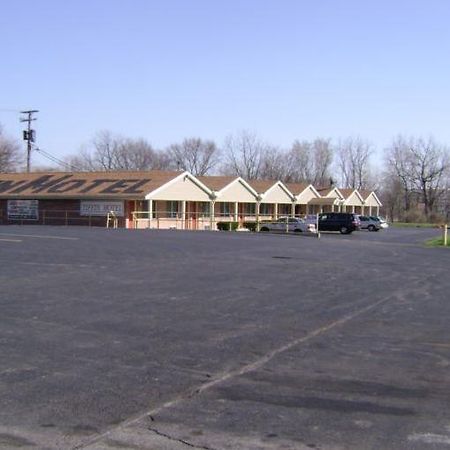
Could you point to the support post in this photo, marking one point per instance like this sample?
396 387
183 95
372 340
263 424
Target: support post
293 209
236 211
183 214
212 213
275 211
257 215
150 213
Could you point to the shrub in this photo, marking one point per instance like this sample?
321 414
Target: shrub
227 226
251 226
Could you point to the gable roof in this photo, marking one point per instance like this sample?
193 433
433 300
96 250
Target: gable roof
297 188
131 185
261 186
348 192
216 183
324 191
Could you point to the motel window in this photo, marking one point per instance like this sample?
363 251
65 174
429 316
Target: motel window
225 209
265 209
172 208
204 209
250 209
284 210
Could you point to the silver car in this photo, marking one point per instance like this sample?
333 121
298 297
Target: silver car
369 223
288 224
382 222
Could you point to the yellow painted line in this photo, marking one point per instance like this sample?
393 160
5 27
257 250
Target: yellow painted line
10 240
41 236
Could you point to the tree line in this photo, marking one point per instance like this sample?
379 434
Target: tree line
413 181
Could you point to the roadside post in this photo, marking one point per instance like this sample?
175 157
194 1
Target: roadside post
317 226
445 234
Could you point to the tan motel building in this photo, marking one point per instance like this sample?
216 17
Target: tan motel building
165 200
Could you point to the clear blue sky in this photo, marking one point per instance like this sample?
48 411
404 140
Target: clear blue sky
169 69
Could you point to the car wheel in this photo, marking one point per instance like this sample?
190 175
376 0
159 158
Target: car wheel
264 229
344 230
371 228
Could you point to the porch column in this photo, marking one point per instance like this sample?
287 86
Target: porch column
150 213
353 209
236 211
183 214
362 210
212 214
257 215
275 211
293 210
370 210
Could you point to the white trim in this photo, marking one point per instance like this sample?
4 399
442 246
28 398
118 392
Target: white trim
183 175
358 195
236 180
282 186
336 191
376 198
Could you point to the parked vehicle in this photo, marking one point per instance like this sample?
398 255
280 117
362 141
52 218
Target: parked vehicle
381 220
369 223
287 224
345 223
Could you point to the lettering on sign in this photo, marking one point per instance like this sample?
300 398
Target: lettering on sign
101 208
23 209
70 184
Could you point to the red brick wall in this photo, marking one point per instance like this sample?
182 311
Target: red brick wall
57 212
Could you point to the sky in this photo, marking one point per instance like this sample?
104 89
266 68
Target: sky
170 69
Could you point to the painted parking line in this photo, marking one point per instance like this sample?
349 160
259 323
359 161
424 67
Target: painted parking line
82 266
10 240
41 236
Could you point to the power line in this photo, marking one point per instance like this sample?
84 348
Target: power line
56 160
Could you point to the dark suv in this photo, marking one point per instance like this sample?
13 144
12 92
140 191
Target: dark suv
343 222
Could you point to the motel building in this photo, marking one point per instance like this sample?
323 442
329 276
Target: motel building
164 200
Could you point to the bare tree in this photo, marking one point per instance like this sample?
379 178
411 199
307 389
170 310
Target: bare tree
399 166
197 156
110 152
421 168
430 164
299 162
10 155
354 161
323 159
309 162
273 164
244 153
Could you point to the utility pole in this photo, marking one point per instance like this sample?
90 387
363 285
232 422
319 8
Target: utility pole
29 135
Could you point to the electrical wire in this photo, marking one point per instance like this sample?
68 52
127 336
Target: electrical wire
54 159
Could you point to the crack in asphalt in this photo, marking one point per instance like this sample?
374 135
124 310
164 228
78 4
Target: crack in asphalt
240 371
182 441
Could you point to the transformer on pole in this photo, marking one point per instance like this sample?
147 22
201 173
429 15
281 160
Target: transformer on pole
29 135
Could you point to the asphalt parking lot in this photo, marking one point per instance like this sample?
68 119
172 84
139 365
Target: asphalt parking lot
116 339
